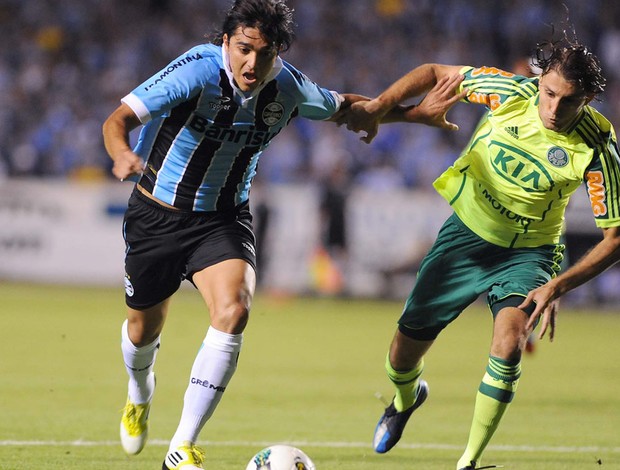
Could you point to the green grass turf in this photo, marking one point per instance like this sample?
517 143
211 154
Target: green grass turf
308 375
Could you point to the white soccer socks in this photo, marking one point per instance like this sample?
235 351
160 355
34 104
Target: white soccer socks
139 364
213 368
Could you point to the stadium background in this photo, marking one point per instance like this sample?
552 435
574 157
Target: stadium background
65 64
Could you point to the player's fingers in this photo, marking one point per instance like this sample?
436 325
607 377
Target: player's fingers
531 323
543 328
443 84
526 301
369 136
450 126
449 83
459 96
552 326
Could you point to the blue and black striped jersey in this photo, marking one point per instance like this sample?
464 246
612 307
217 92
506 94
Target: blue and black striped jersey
202 137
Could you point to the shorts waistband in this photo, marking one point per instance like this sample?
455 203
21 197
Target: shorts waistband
457 220
183 213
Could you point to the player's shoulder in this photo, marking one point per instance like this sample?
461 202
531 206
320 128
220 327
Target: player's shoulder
191 69
293 78
594 116
290 74
488 73
200 64
594 128
203 54
291 81
495 87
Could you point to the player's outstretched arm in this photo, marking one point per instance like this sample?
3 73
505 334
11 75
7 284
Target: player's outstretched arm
365 116
434 107
602 256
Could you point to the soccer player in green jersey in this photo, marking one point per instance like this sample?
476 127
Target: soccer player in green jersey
539 141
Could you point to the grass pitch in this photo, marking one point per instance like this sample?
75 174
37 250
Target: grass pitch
308 375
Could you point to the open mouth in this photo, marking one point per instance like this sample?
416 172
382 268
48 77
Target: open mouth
249 77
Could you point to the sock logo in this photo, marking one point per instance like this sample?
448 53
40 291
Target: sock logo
207 384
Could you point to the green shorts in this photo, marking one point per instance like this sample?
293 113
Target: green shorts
460 267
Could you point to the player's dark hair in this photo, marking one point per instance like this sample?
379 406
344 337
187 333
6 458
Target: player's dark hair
572 60
273 18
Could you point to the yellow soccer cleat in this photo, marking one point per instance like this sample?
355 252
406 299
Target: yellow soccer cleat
185 457
134 427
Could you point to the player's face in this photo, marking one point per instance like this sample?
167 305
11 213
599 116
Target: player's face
250 57
560 102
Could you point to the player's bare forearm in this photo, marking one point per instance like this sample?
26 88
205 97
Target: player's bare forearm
116 141
603 255
415 83
433 108
442 80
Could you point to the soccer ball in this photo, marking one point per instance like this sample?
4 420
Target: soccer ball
280 457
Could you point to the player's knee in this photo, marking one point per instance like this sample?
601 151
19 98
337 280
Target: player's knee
509 347
142 333
232 318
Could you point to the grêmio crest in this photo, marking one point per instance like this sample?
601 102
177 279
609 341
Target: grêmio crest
520 168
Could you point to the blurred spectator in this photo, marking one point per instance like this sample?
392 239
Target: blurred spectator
64 65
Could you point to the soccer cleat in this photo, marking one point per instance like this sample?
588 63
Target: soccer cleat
185 457
472 466
391 425
134 427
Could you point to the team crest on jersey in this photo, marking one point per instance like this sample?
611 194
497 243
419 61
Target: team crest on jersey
273 113
557 156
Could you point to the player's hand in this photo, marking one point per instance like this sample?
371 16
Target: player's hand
433 108
547 307
365 116
127 164
341 116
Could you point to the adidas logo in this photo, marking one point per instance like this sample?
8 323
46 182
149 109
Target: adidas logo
513 131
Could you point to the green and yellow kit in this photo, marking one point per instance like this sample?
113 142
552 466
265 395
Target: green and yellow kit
512 183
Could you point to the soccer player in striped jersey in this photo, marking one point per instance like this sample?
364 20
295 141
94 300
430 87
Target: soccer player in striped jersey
207 117
539 142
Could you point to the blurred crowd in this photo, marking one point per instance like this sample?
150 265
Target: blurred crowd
65 64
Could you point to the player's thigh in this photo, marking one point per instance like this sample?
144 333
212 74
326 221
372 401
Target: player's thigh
448 279
154 260
519 271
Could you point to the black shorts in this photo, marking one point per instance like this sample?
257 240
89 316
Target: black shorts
165 246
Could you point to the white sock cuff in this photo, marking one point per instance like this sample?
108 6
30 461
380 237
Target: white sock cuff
221 341
129 344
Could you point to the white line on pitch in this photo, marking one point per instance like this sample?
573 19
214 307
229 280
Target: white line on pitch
261 444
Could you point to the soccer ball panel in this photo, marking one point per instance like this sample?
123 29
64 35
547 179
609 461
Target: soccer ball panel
280 457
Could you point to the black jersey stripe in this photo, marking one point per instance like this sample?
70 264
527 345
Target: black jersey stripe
168 131
226 199
202 157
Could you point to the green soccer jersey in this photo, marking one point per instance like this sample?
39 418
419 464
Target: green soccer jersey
512 182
